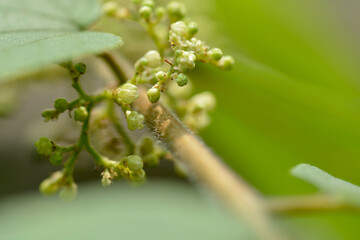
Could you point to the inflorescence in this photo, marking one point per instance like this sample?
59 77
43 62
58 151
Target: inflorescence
164 70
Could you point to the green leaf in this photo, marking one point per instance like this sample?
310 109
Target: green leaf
329 184
35 33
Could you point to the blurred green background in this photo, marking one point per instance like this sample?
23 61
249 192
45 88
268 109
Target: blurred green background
292 97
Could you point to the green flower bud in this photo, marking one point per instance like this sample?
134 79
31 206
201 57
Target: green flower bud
182 80
142 62
186 61
126 93
160 12
226 63
154 58
49 114
61 105
180 29
110 8
52 184
176 11
80 114
193 28
44 146
151 160
215 54
149 3
145 12
56 158
80 68
68 193
138 176
160 75
146 146
135 121
153 94
133 162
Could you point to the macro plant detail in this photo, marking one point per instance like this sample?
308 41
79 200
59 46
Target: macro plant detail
149 105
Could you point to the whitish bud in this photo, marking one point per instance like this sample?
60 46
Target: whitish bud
176 11
110 8
180 29
186 61
205 100
68 193
160 75
127 93
226 63
153 58
52 184
215 54
145 12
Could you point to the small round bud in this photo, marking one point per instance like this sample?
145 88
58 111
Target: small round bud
180 29
153 94
215 54
138 176
176 11
160 12
186 61
151 160
56 158
145 12
135 121
205 100
142 62
146 146
61 105
226 63
80 114
44 146
80 68
126 93
160 75
49 114
51 184
110 8
182 80
133 162
68 193
154 58
193 28
149 3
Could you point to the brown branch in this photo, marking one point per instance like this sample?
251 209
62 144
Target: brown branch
307 204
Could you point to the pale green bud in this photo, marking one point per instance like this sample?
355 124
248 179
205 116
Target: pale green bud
205 100
56 158
226 63
149 3
193 28
138 176
215 54
146 146
68 193
110 8
176 11
80 68
153 58
52 184
135 121
145 12
80 114
160 12
160 75
180 29
126 93
133 162
153 94
186 61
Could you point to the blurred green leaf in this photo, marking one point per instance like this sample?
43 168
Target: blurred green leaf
35 33
325 182
157 210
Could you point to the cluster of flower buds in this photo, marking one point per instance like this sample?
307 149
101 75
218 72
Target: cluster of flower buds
47 148
130 167
59 181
